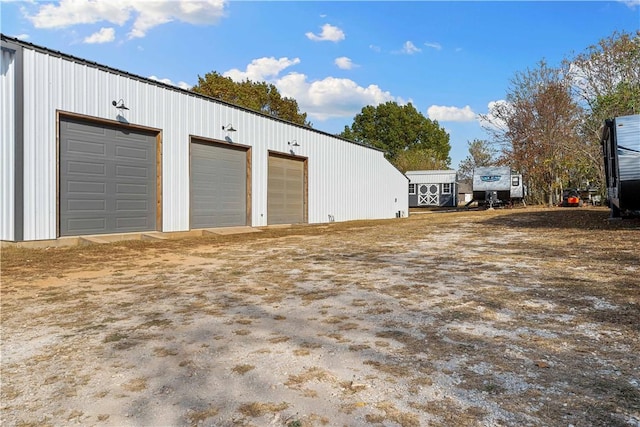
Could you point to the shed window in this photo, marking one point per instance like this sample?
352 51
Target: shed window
412 189
515 181
446 188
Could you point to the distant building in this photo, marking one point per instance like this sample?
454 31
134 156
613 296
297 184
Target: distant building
465 193
432 188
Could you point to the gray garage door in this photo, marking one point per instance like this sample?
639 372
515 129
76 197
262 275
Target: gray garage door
218 185
285 193
107 179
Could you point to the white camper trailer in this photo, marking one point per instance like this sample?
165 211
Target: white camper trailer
496 185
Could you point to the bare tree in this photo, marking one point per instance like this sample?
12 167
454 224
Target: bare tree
481 153
537 127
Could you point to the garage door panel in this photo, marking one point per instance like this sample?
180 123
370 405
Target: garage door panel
218 185
85 168
132 205
132 172
86 128
132 224
87 148
80 187
123 153
88 225
107 179
132 189
89 205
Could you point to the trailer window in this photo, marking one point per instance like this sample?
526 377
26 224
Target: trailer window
412 189
446 188
515 181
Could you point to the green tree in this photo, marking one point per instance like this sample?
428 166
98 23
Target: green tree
399 129
606 81
420 159
606 77
258 96
481 153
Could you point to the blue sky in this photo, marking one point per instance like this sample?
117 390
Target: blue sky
451 59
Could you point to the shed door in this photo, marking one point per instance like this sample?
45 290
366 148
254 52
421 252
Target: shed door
218 185
428 194
107 179
285 194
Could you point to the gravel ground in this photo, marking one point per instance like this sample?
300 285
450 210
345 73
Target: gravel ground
523 317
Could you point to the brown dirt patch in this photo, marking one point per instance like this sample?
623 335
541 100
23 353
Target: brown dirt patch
506 317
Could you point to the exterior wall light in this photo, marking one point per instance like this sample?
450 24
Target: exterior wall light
119 105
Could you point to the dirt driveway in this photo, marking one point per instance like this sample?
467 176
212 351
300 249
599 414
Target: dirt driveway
525 317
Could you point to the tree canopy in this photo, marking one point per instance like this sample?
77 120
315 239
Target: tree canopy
407 137
258 96
549 127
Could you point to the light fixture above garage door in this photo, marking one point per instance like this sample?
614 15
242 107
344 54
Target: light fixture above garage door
119 104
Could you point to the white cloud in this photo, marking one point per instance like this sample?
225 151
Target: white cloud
329 33
436 46
631 3
331 97
408 48
374 48
451 114
492 120
182 85
321 99
344 63
261 69
105 35
22 36
146 14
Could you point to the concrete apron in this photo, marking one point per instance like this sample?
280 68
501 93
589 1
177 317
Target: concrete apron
97 239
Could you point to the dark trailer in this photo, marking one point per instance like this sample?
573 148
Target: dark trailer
621 151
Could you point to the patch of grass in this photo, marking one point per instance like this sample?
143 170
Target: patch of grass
393 369
115 337
158 323
242 369
197 416
379 310
137 384
391 413
258 409
359 347
164 352
335 319
311 374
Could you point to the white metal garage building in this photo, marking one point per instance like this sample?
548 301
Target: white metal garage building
73 161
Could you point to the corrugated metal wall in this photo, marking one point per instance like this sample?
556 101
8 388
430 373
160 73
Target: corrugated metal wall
346 180
7 145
